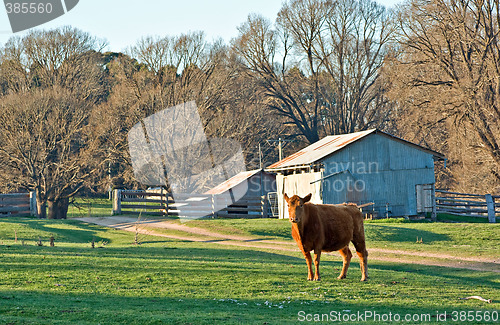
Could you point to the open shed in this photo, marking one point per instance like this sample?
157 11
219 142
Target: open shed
372 167
253 183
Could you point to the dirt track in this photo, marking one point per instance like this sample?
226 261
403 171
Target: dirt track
183 232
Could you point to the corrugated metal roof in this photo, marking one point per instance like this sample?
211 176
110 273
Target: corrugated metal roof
331 144
232 182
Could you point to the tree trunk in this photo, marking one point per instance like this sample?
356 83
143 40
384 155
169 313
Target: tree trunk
41 209
58 209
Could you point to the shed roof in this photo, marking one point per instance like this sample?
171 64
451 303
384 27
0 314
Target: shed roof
333 143
232 182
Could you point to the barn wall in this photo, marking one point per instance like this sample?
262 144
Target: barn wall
256 187
241 189
297 184
378 169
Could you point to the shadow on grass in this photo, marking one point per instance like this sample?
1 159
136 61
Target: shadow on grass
165 255
42 308
160 307
265 228
282 234
183 283
69 231
212 261
445 274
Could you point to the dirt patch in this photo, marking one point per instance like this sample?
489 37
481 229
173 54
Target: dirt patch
195 234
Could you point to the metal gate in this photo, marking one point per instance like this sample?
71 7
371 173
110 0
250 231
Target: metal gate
272 200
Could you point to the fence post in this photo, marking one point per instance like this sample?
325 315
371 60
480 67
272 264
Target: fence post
263 206
433 200
213 206
33 209
117 201
167 197
164 198
491 208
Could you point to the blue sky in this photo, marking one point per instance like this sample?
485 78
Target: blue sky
123 22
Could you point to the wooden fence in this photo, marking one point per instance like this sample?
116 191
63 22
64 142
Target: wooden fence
18 204
471 205
188 205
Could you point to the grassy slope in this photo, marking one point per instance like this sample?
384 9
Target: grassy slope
467 239
168 281
462 239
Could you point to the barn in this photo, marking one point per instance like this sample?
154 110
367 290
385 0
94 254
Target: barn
392 176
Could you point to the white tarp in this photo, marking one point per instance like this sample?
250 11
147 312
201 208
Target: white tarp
298 184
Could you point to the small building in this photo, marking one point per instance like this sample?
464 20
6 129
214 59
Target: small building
394 177
243 194
253 183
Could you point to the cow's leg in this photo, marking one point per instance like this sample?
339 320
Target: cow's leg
317 256
310 274
363 258
346 257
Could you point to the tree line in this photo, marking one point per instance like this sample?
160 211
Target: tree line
428 71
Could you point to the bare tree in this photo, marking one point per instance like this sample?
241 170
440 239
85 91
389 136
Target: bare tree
286 92
46 146
353 50
331 54
53 80
450 64
168 71
174 70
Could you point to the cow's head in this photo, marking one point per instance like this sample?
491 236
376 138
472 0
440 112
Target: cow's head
296 207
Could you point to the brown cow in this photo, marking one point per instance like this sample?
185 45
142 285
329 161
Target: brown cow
327 228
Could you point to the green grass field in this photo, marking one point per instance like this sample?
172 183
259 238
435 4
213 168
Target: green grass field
88 207
167 281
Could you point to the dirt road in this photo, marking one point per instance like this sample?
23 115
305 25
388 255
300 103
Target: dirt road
153 227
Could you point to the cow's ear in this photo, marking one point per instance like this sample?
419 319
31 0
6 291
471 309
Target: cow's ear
307 198
287 199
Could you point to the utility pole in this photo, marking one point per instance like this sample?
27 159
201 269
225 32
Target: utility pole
280 151
260 157
109 181
280 142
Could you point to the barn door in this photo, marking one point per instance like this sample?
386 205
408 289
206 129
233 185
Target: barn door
298 184
424 197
